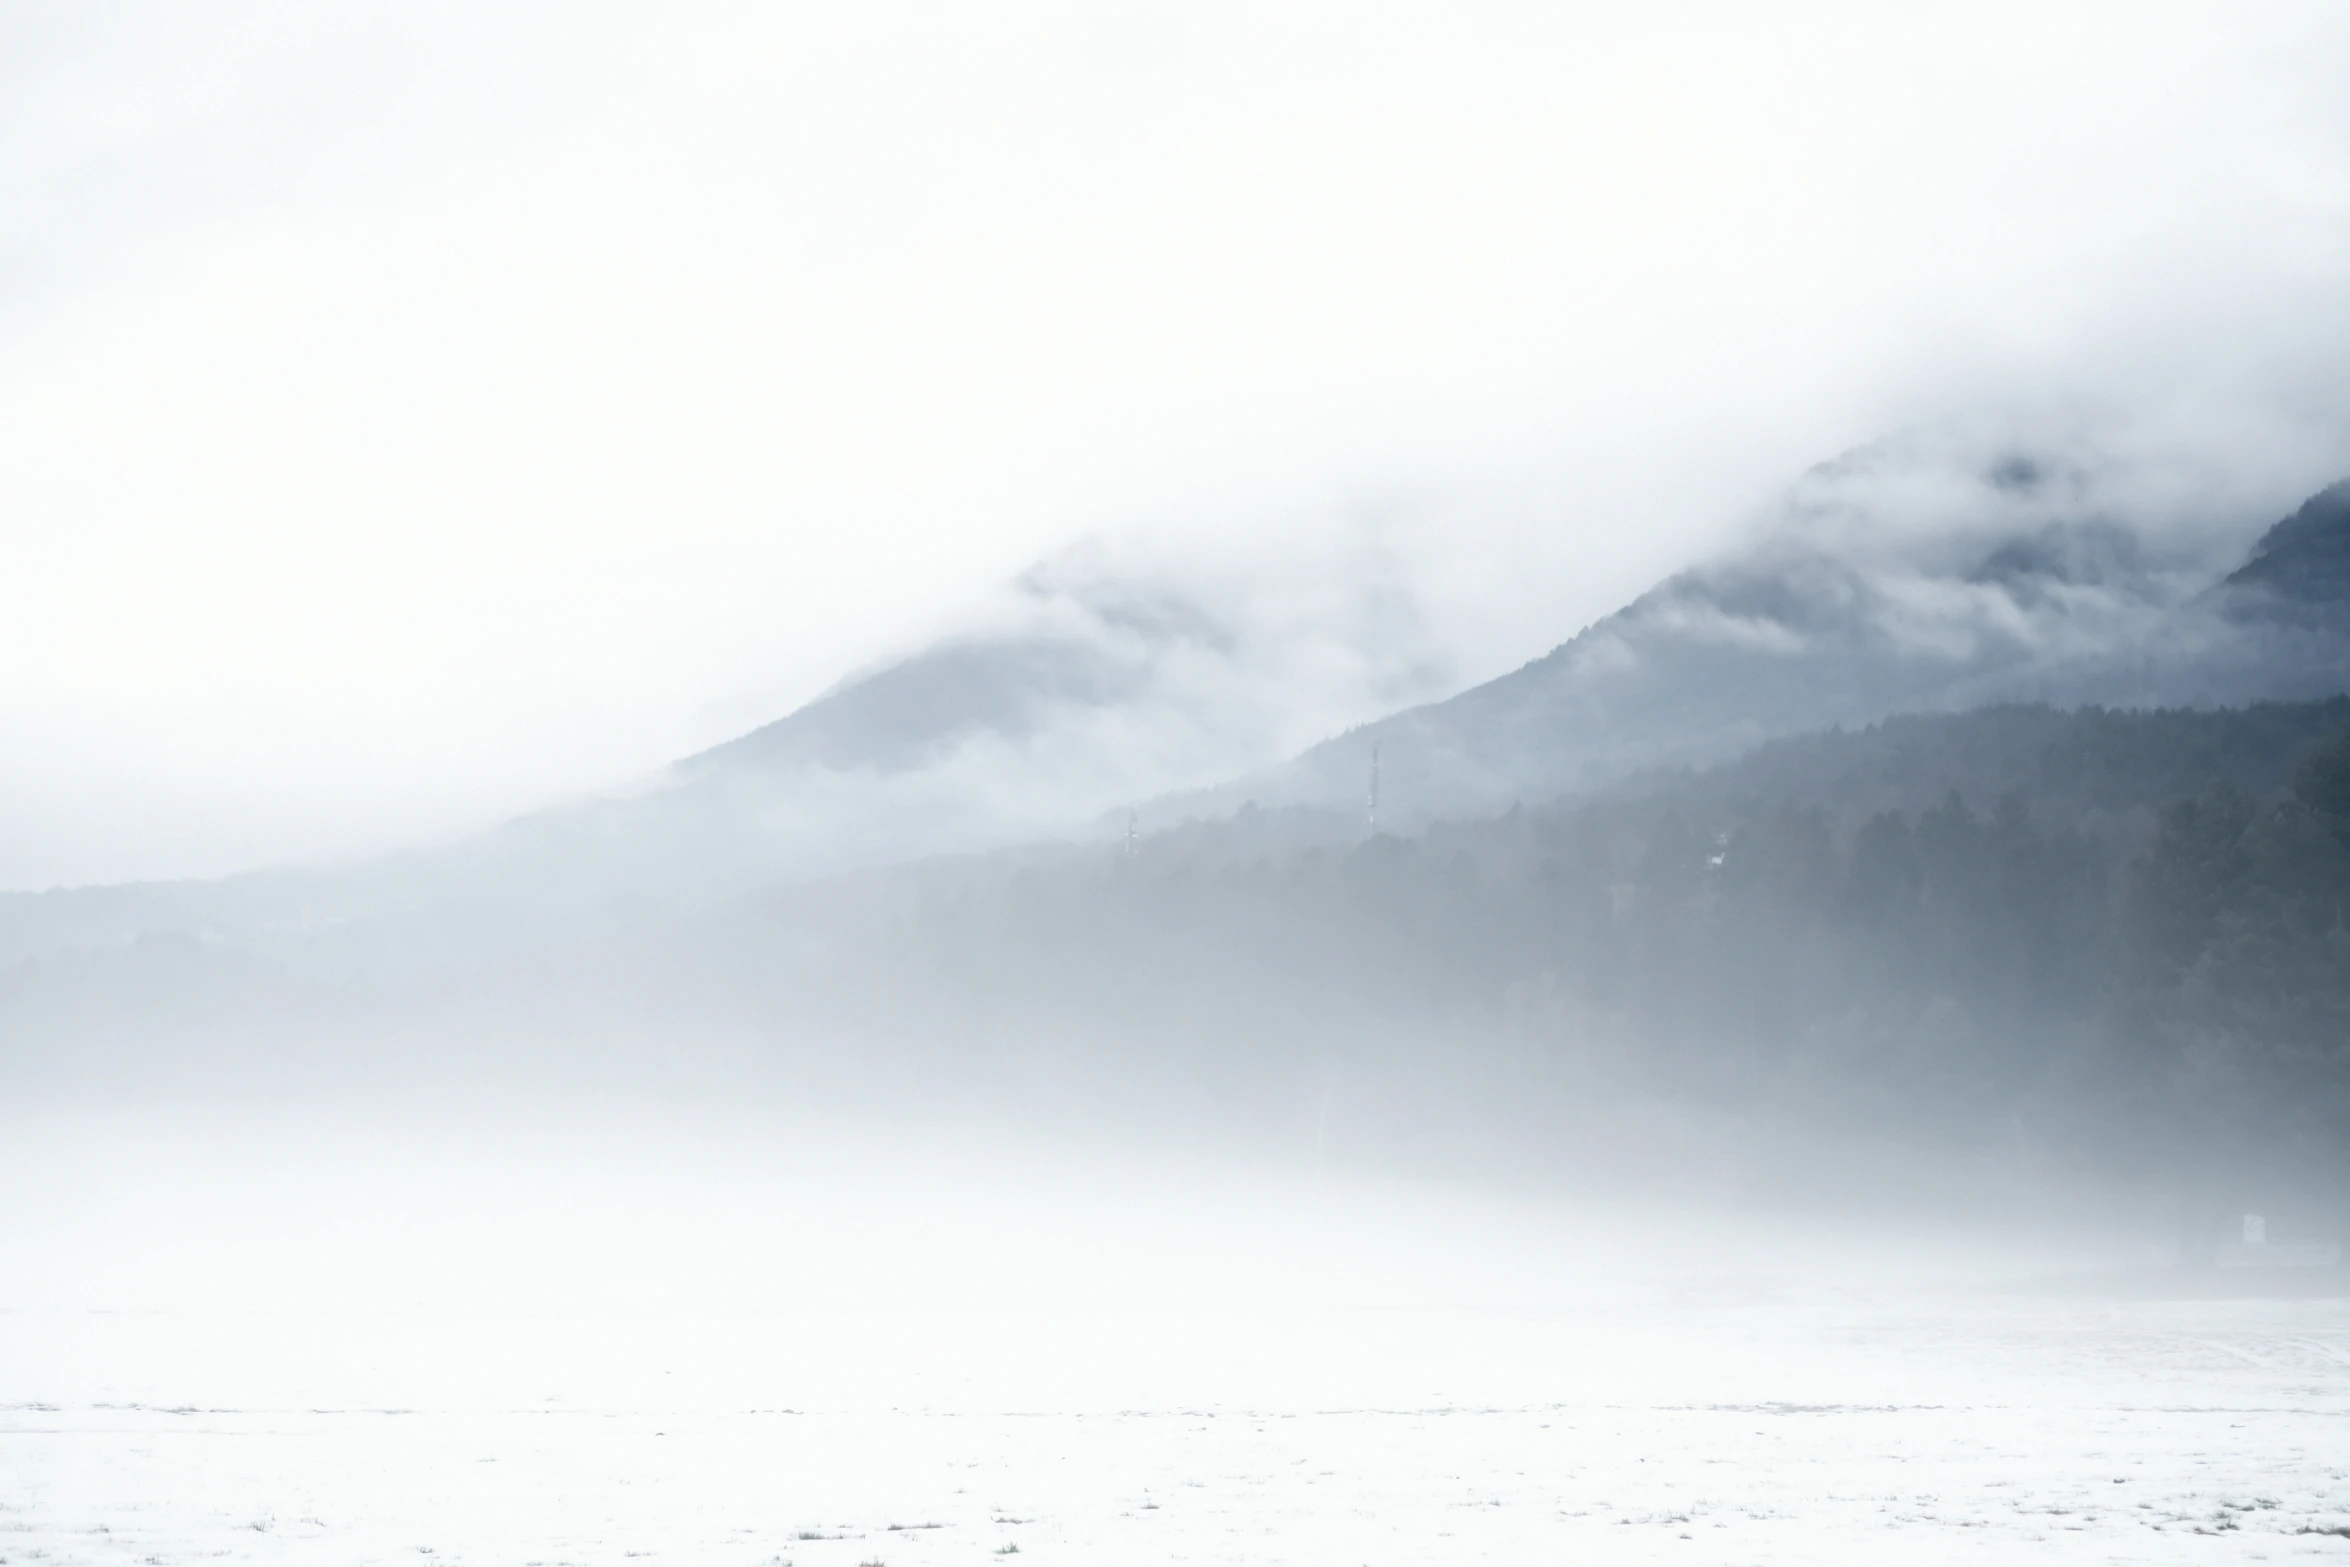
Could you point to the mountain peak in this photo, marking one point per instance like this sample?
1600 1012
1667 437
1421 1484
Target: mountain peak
2305 559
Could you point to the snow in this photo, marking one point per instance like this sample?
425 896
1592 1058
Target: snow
713 1350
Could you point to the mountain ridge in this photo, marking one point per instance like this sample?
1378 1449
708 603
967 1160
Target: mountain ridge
1719 658
2005 579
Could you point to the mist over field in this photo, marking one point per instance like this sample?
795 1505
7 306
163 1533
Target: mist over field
1147 783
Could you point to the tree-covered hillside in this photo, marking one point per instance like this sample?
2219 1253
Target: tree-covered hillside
2110 943
2050 948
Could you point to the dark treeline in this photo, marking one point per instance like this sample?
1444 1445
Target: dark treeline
2129 961
2228 1019
2055 949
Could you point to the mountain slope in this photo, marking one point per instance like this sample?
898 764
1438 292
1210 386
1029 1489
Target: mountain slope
1915 576
2029 586
2300 570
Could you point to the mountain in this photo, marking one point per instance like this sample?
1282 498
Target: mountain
2014 578
1099 676
1112 671
2299 572
1918 575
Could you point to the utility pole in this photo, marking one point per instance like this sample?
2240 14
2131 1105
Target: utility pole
1371 812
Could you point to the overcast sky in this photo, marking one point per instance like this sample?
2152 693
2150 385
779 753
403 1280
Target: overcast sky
410 413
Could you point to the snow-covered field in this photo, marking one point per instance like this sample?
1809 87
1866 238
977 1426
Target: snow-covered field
223 1342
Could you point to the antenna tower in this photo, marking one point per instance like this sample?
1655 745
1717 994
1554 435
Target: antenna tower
1371 811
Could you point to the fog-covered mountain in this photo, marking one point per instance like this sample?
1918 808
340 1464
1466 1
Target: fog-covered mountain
1925 573
1106 674
1920 574
1904 578
2299 573
1113 671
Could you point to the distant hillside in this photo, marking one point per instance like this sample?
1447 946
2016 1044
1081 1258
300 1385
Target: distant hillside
1920 574
2093 942
919 710
2024 587
2060 942
1915 576
2300 569
2094 765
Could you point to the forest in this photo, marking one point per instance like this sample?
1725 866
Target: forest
2094 945
1982 956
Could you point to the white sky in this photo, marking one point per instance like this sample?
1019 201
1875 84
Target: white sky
413 413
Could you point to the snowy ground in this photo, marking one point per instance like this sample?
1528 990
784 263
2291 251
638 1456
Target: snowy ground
216 1348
